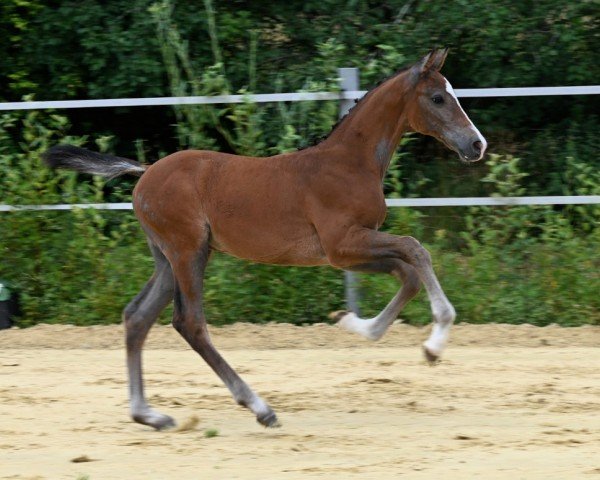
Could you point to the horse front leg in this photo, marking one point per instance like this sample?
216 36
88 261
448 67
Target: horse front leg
358 246
374 328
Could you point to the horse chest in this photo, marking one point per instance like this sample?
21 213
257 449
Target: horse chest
357 205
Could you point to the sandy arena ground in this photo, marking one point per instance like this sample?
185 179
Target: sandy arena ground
507 402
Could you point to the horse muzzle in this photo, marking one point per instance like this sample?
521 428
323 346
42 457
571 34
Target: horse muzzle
471 150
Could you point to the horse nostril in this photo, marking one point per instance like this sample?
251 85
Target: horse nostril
477 146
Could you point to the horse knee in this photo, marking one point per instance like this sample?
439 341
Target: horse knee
139 315
445 315
133 306
411 251
188 318
135 327
130 313
132 320
412 284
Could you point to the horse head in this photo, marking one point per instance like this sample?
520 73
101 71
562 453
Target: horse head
433 109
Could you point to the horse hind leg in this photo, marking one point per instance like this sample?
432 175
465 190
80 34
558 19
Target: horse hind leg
189 321
374 328
139 316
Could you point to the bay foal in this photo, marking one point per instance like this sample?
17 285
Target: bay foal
318 206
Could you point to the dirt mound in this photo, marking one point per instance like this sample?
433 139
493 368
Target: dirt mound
283 335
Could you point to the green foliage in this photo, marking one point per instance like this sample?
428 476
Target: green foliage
518 227
242 127
68 266
510 264
531 264
211 433
538 265
549 283
83 266
239 291
117 48
505 226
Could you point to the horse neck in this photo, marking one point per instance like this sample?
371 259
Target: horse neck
370 133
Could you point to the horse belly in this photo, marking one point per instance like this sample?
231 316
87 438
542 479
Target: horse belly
262 242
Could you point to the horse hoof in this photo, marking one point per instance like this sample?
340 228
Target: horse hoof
337 315
166 424
269 420
432 358
158 421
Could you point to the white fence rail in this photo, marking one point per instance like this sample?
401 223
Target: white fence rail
285 97
390 202
492 201
350 92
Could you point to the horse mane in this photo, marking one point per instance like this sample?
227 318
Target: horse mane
358 101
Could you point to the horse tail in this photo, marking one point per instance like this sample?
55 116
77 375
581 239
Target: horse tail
86 161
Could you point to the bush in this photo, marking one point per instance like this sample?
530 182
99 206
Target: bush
514 264
83 266
68 266
521 264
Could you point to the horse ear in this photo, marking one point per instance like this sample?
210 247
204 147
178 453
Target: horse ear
433 61
441 55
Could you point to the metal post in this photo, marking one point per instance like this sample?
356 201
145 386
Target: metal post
349 82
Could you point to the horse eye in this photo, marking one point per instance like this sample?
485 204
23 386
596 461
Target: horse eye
437 99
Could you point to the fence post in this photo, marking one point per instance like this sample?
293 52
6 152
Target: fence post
349 82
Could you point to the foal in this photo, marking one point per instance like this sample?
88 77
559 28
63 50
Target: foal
318 206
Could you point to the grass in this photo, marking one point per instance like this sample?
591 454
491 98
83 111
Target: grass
211 432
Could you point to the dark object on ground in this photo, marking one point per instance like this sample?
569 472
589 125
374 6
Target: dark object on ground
9 306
